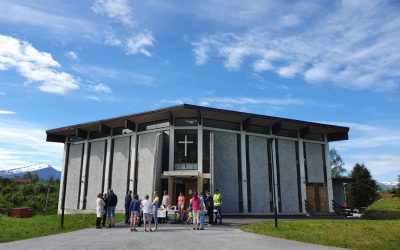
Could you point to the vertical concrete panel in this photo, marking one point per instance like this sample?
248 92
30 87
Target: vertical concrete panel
120 165
259 181
95 172
315 163
288 176
73 177
226 170
146 164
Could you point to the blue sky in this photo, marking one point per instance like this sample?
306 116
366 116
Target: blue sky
67 62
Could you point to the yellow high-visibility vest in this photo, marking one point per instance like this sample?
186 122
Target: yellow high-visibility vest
217 200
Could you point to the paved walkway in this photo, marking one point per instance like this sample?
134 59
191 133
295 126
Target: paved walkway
169 236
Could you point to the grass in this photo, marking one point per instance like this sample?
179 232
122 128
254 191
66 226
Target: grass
12 229
383 209
354 234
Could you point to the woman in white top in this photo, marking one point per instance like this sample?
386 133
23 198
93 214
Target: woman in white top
165 200
99 209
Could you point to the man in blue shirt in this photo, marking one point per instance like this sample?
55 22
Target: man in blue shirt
134 208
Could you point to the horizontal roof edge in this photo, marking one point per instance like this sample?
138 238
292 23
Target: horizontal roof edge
200 108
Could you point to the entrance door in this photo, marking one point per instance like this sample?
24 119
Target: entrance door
317 196
187 186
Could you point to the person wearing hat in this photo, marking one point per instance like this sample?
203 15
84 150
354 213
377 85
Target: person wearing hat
217 198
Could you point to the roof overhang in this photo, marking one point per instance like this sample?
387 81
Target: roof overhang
334 132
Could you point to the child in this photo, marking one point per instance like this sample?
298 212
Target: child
146 205
190 216
134 210
99 209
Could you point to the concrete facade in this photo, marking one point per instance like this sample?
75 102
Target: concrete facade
288 184
259 177
315 162
95 172
73 176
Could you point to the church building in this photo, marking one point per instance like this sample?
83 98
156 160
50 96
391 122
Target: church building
250 158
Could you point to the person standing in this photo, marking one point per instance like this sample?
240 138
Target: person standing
202 212
146 205
165 200
105 199
99 209
217 198
196 210
209 202
128 199
181 204
134 209
111 204
156 200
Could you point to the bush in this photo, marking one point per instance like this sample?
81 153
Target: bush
385 209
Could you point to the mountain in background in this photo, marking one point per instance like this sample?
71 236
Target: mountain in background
44 171
384 185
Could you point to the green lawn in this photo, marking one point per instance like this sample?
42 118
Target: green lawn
354 234
17 229
383 209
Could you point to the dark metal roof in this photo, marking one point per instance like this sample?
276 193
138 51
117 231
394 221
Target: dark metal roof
187 110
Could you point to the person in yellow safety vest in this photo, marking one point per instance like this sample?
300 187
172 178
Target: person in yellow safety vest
217 198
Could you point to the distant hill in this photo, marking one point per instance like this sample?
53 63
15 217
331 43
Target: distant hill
384 185
44 171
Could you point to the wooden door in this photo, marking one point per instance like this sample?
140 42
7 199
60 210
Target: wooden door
323 199
311 197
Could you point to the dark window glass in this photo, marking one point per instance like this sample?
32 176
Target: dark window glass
95 135
221 124
258 129
287 133
153 125
206 186
186 122
206 151
314 136
185 149
165 153
117 131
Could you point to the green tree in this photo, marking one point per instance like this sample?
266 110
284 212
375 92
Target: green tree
336 162
398 185
363 190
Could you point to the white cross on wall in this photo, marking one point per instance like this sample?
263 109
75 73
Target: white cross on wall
186 142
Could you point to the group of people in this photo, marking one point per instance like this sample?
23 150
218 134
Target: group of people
195 214
105 207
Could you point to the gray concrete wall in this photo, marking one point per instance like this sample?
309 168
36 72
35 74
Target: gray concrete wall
73 176
95 172
226 170
120 165
147 151
259 182
288 176
315 163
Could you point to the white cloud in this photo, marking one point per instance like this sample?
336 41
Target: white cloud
349 45
3 93
100 88
72 55
119 10
138 43
22 15
6 112
94 98
23 144
36 66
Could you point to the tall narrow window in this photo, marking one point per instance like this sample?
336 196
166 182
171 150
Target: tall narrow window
185 149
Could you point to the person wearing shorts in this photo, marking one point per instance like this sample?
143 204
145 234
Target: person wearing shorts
134 210
111 204
190 213
146 205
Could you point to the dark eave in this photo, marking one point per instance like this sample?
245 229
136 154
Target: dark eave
334 132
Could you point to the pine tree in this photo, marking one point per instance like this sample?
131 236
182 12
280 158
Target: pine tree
362 190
